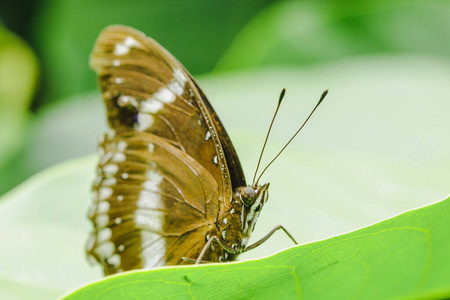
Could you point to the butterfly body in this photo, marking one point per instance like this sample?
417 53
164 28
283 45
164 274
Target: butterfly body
168 180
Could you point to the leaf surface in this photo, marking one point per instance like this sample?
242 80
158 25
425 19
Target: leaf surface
403 257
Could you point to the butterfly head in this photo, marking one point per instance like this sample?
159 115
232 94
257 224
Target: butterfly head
250 194
253 199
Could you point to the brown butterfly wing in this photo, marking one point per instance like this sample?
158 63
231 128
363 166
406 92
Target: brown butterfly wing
163 172
234 165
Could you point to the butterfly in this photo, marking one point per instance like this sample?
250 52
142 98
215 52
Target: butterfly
170 187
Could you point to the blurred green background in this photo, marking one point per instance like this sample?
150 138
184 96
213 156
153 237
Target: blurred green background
379 144
45 47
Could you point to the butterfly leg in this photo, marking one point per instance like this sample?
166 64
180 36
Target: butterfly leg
268 236
208 244
193 260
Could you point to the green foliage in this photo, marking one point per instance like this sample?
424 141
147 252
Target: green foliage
308 32
18 72
197 33
403 257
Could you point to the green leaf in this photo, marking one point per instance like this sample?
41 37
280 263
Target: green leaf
403 257
43 228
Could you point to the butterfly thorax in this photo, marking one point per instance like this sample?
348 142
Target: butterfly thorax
237 218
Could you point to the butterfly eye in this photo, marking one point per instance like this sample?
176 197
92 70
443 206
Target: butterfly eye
248 195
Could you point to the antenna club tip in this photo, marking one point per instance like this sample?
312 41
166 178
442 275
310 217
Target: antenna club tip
324 94
283 91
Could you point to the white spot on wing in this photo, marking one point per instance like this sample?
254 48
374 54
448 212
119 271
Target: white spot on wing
153 181
118 221
119 198
224 234
102 220
106 157
121 146
110 169
208 135
109 181
151 147
118 80
215 159
116 62
105 250
103 207
131 42
151 106
175 87
125 175
179 76
104 193
127 100
149 200
119 157
110 134
153 255
225 221
149 220
145 121
165 95
90 243
104 235
114 260
121 49
124 47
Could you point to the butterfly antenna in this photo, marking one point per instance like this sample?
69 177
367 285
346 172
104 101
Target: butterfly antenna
324 94
268 132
